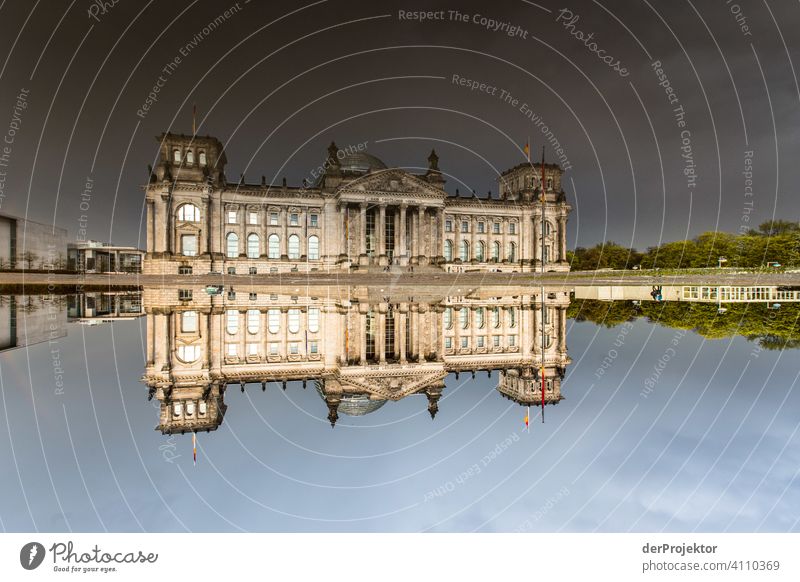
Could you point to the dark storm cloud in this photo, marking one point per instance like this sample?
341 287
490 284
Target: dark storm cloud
258 75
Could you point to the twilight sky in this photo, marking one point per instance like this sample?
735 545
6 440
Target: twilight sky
277 81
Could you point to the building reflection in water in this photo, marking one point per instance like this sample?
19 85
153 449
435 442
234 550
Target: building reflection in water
357 347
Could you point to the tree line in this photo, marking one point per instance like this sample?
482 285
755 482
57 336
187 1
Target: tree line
773 241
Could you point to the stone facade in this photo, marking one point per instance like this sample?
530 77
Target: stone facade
359 350
358 214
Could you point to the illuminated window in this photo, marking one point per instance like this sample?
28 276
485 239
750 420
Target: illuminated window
253 320
253 246
232 241
313 248
274 320
313 319
294 320
189 213
294 247
274 247
232 321
189 157
176 156
202 157
189 321
189 245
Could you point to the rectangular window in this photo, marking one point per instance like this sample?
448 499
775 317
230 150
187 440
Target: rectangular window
496 341
313 220
185 294
464 226
189 245
294 220
252 217
273 219
273 348
252 349
313 348
232 349
448 342
512 340
231 217
464 342
294 348
481 341
481 227
184 270
448 226
496 228
512 228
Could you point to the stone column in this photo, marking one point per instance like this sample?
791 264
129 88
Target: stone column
421 252
537 238
439 251
214 225
456 237
161 223
284 226
402 246
344 228
151 226
381 228
401 321
414 236
472 228
362 243
285 334
380 342
215 341
362 338
504 247
562 238
562 330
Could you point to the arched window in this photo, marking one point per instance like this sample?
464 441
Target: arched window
189 321
548 228
253 246
274 247
313 248
189 157
549 183
448 318
232 245
232 321
463 316
480 317
294 320
480 251
188 354
464 251
548 341
274 320
448 250
189 213
495 251
496 317
313 319
253 320
294 247
512 252
176 156
202 157
512 317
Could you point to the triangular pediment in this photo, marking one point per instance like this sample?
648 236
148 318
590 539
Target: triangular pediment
391 183
392 385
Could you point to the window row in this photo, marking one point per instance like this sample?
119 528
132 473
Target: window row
480 251
481 342
253 320
188 406
273 246
273 218
480 228
188 157
480 317
254 349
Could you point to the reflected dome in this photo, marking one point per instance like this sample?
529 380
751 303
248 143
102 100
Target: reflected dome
354 404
